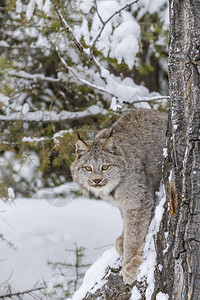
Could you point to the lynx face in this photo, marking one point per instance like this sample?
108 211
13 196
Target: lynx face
98 167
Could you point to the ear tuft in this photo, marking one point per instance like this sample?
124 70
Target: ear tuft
81 148
110 145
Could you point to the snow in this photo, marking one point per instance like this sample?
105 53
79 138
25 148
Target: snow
136 293
120 36
149 254
165 154
93 277
42 232
19 6
47 7
86 5
162 296
30 9
46 116
11 194
125 42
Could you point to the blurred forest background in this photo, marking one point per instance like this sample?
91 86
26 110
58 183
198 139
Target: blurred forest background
50 86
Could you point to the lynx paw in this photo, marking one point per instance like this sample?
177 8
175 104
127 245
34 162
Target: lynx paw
131 269
119 245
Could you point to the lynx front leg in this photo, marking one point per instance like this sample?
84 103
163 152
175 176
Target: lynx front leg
135 228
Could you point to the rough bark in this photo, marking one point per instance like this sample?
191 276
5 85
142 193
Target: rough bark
181 268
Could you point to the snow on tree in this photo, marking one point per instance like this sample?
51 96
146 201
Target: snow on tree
62 66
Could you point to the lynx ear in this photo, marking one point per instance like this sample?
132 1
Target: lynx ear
110 145
81 147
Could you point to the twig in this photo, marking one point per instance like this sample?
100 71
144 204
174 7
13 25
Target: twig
100 18
18 294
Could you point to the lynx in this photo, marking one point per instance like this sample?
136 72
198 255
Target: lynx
122 165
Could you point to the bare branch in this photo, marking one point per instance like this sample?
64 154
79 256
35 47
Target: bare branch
100 18
18 294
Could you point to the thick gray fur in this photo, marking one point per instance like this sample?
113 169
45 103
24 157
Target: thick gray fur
131 150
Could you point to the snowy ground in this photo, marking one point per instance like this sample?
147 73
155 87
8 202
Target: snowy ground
41 231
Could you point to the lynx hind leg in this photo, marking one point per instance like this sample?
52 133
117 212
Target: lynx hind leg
131 269
119 244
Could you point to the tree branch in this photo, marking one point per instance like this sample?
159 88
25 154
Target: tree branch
148 99
78 44
68 28
18 294
86 82
50 116
89 54
104 90
36 77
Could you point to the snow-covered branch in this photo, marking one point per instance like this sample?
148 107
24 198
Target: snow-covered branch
149 99
104 23
76 41
88 53
36 77
68 28
86 82
50 116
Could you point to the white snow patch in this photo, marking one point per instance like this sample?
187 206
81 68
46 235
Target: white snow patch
165 153
114 104
30 9
93 279
162 296
149 254
11 194
135 294
160 267
86 5
19 6
47 7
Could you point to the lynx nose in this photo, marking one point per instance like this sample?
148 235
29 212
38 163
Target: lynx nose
96 180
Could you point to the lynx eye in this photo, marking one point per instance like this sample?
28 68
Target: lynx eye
88 168
105 167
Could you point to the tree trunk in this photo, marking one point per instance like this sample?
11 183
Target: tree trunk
181 264
177 271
